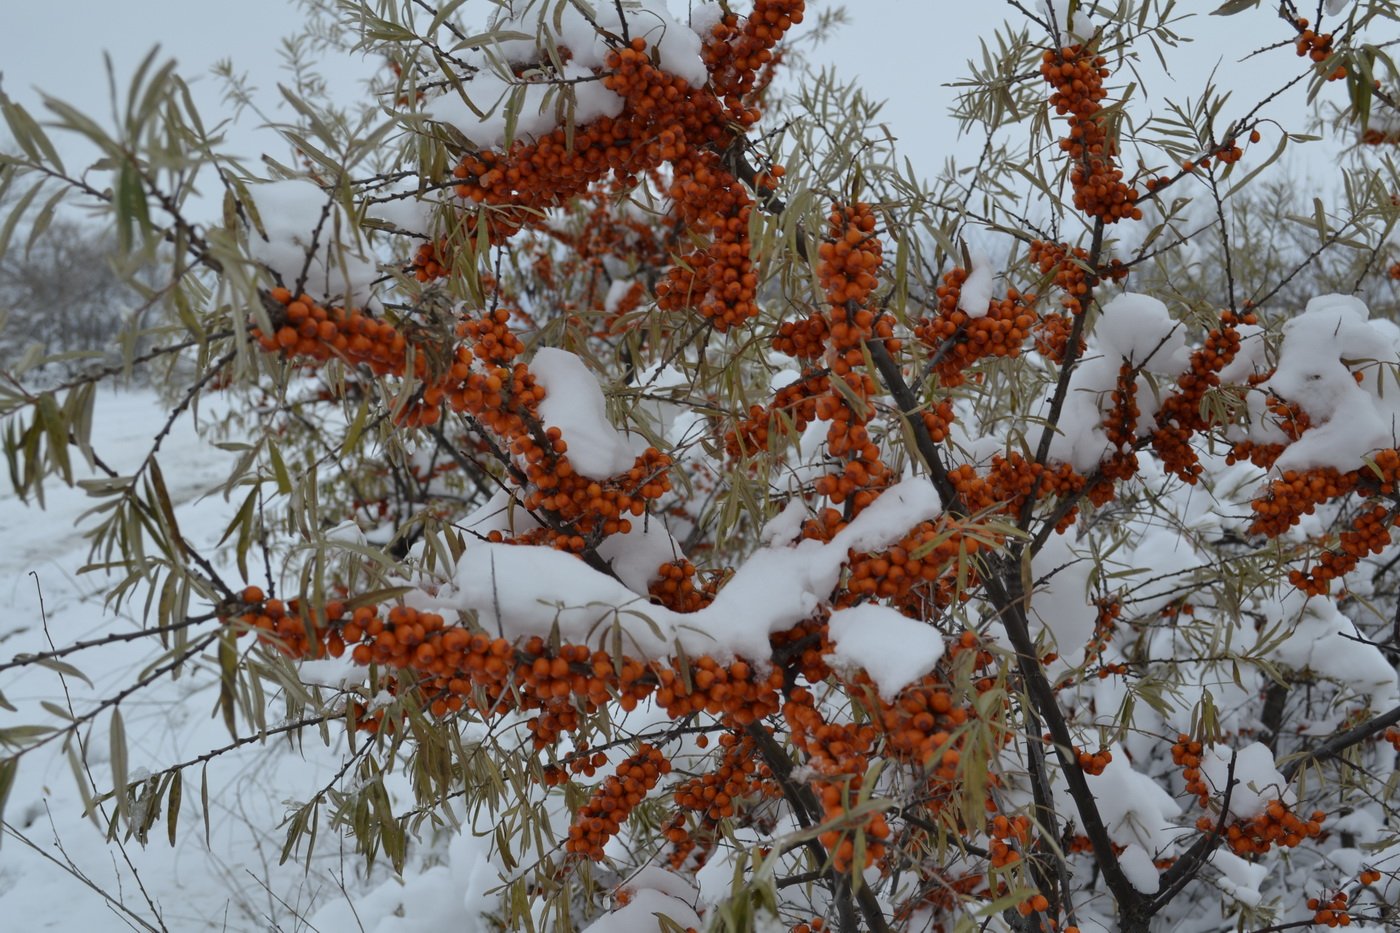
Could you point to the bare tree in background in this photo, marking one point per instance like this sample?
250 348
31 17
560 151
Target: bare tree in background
62 295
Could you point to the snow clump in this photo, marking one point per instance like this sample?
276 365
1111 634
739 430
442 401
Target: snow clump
1134 330
495 91
1323 350
299 220
892 648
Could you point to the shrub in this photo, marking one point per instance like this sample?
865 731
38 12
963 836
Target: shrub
640 450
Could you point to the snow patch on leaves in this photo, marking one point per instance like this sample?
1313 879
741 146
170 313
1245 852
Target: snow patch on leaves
522 591
1078 28
640 915
892 648
1138 814
574 403
538 101
1327 643
1059 606
1134 330
1257 779
975 297
299 220
1238 878
1323 350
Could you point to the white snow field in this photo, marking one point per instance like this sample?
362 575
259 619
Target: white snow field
57 872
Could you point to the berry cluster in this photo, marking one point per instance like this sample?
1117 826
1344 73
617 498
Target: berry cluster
1068 269
1120 427
1120 421
675 587
792 409
804 339
1289 418
1099 190
738 52
1297 493
427 263
286 627
456 667
839 754
1186 752
718 277
1277 825
663 120
602 816
480 377
1369 534
1093 762
959 340
1011 480
738 778
848 267
304 328
1317 47
1105 624
847 270
917 574
1006 839
1180 415
1052 333
1331 912
922 726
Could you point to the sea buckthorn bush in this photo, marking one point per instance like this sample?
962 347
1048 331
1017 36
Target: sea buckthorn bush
663 497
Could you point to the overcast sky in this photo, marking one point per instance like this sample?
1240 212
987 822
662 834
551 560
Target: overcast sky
903 50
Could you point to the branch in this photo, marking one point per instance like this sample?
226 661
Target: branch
256 737
117 905
24 660
194 245
807 809
150 677
908 407
1341 742
1186 867
1010 605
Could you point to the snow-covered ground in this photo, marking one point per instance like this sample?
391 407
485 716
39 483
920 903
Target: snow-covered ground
59 873
58 870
